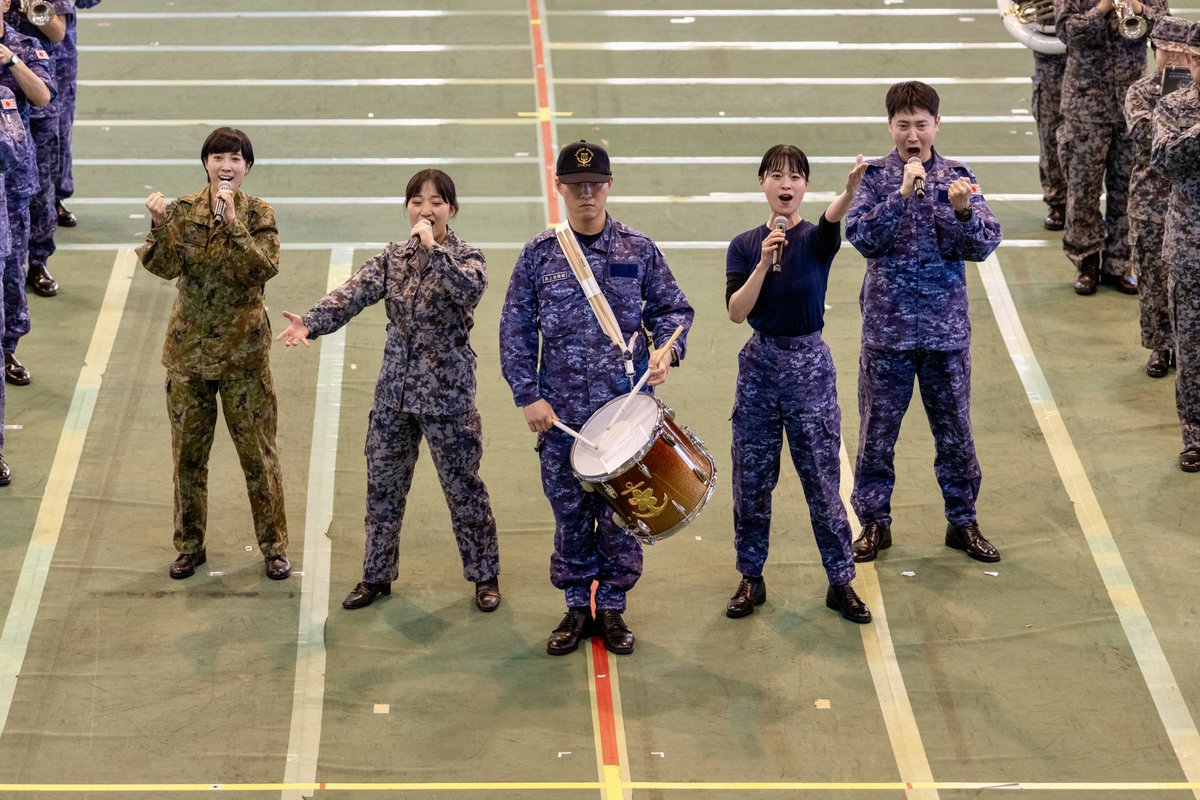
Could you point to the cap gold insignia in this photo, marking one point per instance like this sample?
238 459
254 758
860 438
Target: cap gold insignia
584 156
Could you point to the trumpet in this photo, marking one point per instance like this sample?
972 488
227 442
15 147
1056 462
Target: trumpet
38 12
1129 24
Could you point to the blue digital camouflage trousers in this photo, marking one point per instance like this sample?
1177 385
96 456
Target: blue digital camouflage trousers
2 381
456 446
43 216
885 385
16 306
788 384
588 545
248 405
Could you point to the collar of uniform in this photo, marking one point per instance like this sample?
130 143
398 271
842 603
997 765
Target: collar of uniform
201 205
603 243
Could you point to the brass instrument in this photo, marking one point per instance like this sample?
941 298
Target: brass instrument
38 12
1129 24
1031 22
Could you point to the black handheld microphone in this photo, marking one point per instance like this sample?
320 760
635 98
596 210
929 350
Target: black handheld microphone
415 239
918 183
780 224
219 205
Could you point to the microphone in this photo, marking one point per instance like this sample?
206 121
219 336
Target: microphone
918 183
415 239
780 224
219 205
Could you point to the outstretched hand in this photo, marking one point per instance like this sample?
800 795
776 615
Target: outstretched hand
856 175
296 332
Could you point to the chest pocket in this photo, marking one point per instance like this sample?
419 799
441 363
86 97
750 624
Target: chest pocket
624 292
562 308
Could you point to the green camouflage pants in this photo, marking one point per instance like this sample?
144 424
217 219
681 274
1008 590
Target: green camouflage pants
248 403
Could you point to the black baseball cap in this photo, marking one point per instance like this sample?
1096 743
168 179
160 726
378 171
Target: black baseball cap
582 162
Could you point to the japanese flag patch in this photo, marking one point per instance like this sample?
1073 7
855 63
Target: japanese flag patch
8 104
42 54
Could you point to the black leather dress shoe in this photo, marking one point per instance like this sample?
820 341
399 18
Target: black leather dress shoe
41 281
1159 363
487 594
185 565
1125 284
278 567
617 636
846 601
365 593
751 592
576 624
1088 279
1189 460
5 472
66 217
875 537
1056 220
966 537
15 372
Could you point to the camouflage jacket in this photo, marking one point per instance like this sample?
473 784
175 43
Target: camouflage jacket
38 59
580 369
1175 151
1147 187
218 326
1101 63
12 157
428 364
914 295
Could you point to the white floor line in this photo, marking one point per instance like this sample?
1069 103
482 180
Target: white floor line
527 119
27 596
308 697
903 733
1160 680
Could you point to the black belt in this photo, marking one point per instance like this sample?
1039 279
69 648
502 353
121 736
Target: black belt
790 342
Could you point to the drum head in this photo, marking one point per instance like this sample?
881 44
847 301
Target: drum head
618 444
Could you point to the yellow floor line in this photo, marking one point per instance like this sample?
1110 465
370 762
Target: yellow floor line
27 595
1160 679
898 716
308 696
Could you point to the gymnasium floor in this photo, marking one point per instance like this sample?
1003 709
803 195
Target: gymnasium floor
1068 670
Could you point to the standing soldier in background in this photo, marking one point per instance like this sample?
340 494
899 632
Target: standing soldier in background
1175 152
25 69
220 245
1045 103
66 66
1147 190
43 124
12 144
1104 57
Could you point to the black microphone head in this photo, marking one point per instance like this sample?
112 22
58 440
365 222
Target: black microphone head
780 223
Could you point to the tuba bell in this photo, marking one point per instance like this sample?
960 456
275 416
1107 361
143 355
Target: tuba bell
38 12
1031 22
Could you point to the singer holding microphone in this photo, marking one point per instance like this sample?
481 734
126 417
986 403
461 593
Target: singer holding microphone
776 278
221 247
916 217
430 285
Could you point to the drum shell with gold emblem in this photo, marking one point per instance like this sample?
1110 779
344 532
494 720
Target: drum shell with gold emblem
655 475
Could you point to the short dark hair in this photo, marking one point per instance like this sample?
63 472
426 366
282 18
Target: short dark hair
228 140
912 96
440 180
784 157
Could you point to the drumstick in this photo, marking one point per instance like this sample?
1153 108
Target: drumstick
669 342
583 274
637 387
576 434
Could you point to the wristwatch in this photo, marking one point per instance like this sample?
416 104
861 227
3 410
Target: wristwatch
963 214
12 62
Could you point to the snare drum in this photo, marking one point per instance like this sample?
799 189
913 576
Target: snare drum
654 475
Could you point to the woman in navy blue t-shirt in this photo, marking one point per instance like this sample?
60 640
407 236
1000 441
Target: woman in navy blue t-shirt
776 276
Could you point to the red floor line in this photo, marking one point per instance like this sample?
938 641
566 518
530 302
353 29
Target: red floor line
545 114
604 705
601 677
